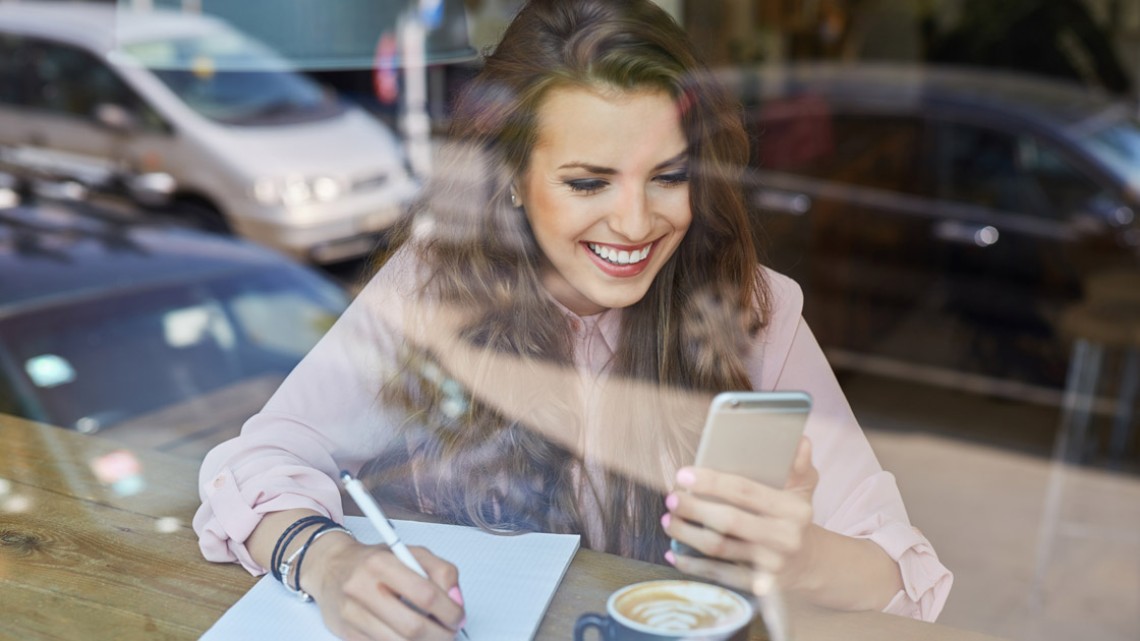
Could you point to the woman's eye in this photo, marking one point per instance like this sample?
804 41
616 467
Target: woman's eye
586 185
674 178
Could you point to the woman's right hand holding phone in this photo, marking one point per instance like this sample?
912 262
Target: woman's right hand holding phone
365 592
746 531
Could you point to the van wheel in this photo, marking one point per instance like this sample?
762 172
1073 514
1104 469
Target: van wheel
202 216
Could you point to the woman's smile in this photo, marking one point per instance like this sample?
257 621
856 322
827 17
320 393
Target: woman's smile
620 261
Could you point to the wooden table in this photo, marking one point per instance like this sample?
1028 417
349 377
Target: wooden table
78 561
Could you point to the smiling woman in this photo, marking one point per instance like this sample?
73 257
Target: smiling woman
576 282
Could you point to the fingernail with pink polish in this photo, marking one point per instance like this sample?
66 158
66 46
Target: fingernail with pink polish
685 477
670 558
671 502
456 595
665 519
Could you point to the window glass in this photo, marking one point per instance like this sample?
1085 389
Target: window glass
99 362
1012 172
72 82
276 316
879 152
61 76
234 80
13 62
1118 145
1067 189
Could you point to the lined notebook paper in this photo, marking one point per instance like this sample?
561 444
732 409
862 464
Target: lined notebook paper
507 583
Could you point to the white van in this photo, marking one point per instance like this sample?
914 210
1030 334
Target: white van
253 147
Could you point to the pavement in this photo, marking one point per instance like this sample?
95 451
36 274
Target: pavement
1040 551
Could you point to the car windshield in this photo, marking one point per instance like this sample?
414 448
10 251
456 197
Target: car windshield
103 361
1118 145
234 80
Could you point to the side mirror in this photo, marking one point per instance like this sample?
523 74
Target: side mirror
114 117
153 189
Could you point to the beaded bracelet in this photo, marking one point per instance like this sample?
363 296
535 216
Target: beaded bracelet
287 537
299 556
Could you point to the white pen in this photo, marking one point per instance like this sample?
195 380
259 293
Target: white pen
371 509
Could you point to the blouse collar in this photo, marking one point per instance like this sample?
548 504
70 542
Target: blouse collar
605 324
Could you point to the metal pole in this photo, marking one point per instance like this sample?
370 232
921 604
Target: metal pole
416 123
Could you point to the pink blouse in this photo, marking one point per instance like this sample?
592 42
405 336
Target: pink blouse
326 417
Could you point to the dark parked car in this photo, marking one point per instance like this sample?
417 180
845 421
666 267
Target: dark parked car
161 337
940 220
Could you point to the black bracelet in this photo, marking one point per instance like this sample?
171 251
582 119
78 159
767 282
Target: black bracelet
287 537
325 527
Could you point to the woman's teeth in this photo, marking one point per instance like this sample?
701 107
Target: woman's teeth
620 257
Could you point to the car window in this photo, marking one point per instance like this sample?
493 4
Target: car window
69 81
1010 171
1117 144
99 362
879 152
14 81
273 314
1067 189
234 80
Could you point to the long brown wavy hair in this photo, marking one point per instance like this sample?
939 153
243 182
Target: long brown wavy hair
468 459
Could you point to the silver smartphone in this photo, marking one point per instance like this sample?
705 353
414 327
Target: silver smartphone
754 435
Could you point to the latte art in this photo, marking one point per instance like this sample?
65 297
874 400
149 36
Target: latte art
681 606
677 615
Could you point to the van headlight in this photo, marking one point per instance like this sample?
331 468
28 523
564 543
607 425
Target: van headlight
325 188
297 190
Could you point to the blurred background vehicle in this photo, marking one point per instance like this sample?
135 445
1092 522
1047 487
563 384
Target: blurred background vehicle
159 336
250 145
966 205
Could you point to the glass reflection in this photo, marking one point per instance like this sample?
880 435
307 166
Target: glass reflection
120 470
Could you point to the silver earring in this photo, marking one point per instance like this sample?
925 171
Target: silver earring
514 199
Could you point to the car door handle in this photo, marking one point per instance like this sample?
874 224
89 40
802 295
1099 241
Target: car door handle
785 202
967 233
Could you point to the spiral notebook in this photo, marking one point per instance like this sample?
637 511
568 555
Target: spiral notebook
507 583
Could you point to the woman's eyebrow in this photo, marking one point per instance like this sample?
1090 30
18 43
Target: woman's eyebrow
594 169
609 171
674 160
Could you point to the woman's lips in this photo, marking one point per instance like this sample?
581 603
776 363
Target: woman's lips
612 265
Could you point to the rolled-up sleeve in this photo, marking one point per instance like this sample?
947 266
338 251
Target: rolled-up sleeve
926 582
273 466
855 496
323 418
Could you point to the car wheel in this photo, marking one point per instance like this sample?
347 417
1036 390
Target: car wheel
202 216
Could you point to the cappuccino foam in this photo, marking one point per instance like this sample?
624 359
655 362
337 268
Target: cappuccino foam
678 606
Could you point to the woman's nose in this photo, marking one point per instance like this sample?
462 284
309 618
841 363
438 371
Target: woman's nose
631 218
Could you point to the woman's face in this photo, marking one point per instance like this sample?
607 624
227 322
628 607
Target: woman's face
606 192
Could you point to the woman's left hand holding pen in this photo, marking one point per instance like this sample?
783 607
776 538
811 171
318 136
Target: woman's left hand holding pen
365 592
